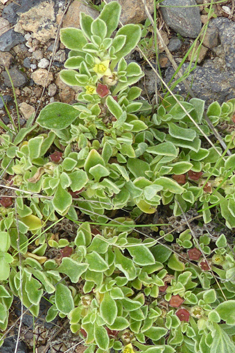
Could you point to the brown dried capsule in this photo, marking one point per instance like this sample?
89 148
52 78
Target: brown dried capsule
180 178
66 251
56 157
102 90
183 315
194 254
6 201
194 175
176 301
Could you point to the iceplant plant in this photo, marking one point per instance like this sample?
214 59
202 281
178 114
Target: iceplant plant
95 63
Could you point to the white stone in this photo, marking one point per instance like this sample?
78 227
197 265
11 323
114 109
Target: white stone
43 63
33 66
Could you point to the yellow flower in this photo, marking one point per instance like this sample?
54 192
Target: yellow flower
90 89
128 349
102 68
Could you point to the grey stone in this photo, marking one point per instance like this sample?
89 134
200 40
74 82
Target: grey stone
211 38
6 99
27 63
182 19
11 11
211 82
10 344
19 78
9 39
174 44
226 29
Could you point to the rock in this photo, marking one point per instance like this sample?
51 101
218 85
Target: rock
60 56
40 20
4 25
198 53
226 29
72 17
184 20
147 84
211 82
27 63
211 38
19 79
38 54
6 99
5 59
9 39
20 48
42 77
43 63
52 88
27 110
11 11
174 44
133 11
10 344
67 95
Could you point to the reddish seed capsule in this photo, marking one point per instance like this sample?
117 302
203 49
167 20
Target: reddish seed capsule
102 90
66 251
183 315
194 175
176 301
163 288
204 265
181 178
207 188
6 201
194 254
56 157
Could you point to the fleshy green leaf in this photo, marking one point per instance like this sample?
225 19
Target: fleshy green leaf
72 38
114 107
62 200
125 265
63 299
141 255
101 337
155 333
96 262
110 15
99 28
181 133
221 341
72 268
108 309
164 149
226 311
133 34
57 116
5 241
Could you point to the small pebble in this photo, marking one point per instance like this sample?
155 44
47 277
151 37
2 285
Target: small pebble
33 66
52 88
43 63
38 54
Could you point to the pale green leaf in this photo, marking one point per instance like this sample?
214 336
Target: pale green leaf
63 299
